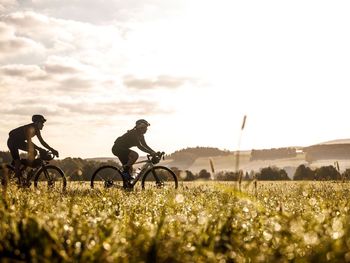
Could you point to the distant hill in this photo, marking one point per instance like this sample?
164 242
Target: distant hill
327 151
339 141
198 152
186 157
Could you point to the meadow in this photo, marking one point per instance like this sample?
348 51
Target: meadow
199 222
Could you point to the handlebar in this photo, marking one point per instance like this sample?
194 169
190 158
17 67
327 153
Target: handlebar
159 156
46 155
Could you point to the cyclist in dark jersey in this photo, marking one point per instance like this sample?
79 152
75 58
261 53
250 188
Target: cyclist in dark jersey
21 139
133 137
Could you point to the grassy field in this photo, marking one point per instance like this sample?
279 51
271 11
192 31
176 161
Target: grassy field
199 222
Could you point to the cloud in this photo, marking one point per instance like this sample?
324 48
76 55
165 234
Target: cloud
29 109
12 45
7 5
106 11
58 65
162 81
62 74
29 72
99 45
109 108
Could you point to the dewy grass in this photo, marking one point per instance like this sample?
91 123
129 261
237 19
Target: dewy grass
4 180
199 222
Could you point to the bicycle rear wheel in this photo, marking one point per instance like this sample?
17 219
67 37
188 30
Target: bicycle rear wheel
159 177
7 175
107 176
50 176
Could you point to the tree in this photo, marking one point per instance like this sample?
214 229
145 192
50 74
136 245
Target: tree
227 176
189 176
204 174
327 173
304 173
272 174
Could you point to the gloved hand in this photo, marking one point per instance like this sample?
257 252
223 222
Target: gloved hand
155 158
54 152
42 151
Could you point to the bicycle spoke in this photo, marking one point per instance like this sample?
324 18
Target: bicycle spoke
106 177
50 177
159 177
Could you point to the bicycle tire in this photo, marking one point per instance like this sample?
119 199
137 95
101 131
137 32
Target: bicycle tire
7 174
166 178
107 176
52 175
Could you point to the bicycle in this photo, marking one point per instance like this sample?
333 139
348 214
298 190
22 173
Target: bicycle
40 169
152 176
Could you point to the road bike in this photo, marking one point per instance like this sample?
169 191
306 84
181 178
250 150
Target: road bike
151 175
39 170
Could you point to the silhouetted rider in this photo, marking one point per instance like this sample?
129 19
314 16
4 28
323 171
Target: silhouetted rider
133 137
21 139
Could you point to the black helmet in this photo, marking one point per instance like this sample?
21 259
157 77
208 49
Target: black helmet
38 118
142 121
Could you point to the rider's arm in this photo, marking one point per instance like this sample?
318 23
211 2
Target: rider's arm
144 147
41 140
30 132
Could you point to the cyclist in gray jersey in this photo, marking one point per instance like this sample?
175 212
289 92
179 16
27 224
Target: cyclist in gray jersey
133 137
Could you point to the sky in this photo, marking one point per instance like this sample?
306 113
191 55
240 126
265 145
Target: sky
192 68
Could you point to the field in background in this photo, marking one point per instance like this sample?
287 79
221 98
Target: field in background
227 163
199 222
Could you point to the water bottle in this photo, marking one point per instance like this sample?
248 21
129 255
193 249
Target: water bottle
137 172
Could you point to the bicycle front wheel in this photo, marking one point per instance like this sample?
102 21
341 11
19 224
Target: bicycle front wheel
106 177
50 176
159 177
7 175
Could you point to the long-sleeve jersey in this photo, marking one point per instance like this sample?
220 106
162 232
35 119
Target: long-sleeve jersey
133 138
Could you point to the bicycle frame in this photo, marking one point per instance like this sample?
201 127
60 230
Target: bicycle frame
35 170
148 165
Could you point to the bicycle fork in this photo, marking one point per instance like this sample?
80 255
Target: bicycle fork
50 180
158 180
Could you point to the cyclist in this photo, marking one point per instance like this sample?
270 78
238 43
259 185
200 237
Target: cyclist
133 137
21 139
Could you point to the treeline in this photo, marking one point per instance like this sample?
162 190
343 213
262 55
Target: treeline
320 174
269 174
78 169
265 174
274 153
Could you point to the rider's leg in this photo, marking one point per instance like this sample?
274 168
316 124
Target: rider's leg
18 171
14 150
132 158
127 157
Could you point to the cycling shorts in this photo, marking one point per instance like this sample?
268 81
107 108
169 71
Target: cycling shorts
121 153
15 146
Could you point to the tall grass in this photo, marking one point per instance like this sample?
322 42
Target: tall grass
202 222
238 152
